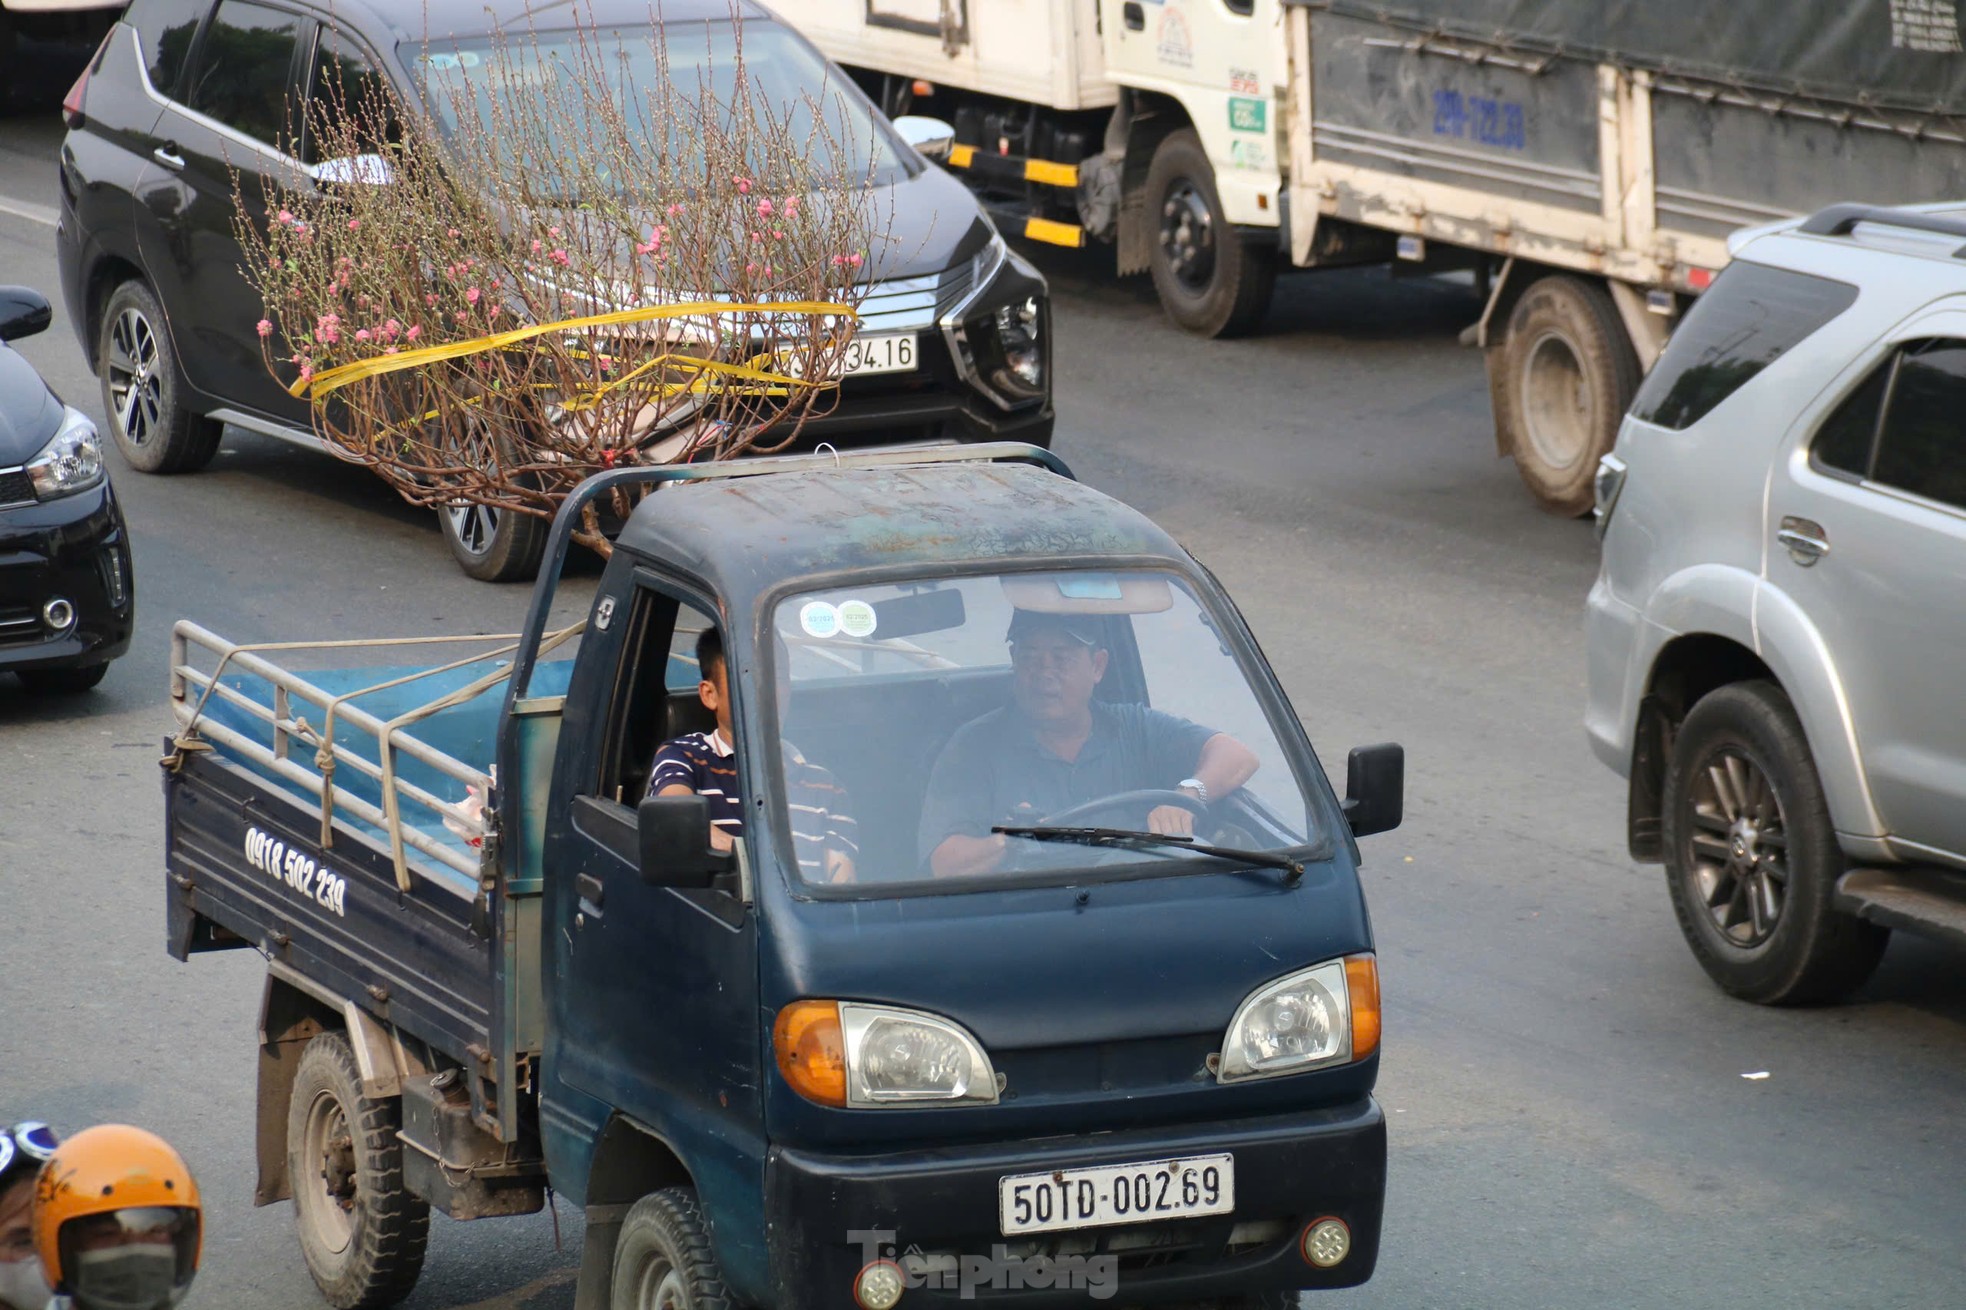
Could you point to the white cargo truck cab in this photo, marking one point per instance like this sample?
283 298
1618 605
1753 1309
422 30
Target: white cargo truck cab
1151 124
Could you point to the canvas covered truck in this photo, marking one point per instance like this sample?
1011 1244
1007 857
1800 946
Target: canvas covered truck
1125 1044
1584 161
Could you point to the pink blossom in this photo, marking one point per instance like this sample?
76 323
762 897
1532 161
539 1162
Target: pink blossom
560 257
412 332
273 262
750 268
764 209
306 372
791 206
536 247
778 234
675 210
463 317
743 185
553 232
429 300
472 295
453 232
389 350
854 260
265 327
286 216
354 225
491 310
361 334
390 331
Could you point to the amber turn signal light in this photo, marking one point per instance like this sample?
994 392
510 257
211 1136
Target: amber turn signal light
811 1050
1362 983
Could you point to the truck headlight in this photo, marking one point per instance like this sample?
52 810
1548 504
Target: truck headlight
1325 1015
71 461
845 1053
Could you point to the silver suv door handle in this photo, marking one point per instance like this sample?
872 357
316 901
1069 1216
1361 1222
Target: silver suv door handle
1804 538
168 156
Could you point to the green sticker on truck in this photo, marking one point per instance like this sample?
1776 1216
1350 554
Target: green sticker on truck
1246 115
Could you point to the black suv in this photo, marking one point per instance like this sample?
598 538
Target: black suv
183 92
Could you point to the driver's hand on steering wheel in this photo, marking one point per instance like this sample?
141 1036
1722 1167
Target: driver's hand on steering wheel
1170 821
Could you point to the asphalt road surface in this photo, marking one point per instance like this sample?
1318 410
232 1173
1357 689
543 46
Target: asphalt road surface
1570 1124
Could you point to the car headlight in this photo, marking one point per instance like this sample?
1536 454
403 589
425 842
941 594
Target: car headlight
1311 1019
69 463
844 1053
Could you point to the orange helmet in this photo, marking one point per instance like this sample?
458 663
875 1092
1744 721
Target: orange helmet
117 1220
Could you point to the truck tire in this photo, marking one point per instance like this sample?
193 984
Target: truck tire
1752 858
361 1231
1211 280
143 389
494 545
1570 374
662 1260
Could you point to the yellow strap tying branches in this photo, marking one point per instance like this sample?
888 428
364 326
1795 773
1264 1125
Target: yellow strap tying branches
376 365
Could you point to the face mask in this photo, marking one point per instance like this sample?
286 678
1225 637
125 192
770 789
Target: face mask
135 1277
22 1287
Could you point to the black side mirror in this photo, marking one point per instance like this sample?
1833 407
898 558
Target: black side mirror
23 312
675 833
1375 788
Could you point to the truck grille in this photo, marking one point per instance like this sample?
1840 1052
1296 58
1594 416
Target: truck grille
16 488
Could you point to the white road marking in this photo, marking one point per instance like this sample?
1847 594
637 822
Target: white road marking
33 213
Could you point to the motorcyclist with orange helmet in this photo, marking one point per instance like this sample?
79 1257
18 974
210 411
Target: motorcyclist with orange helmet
117 1221
24 1148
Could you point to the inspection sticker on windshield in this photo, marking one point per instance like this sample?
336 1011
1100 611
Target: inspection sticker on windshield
857 618
819 619
300 872
1117 1194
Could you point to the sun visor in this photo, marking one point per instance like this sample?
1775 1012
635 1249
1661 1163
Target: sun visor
1089 593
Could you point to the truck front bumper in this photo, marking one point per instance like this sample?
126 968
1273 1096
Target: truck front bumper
935 1213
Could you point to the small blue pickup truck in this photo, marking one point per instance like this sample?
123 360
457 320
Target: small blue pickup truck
990 930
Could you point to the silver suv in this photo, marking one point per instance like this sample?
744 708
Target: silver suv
1777 637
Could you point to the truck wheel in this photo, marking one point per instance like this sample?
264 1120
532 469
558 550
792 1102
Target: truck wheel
1210 279
662 1260
494 545
1571 374
143 391
1751 858
361 1231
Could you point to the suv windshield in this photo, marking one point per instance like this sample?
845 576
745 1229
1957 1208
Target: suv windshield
919 718
660 77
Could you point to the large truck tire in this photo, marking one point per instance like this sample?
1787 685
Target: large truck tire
662 1260
143 389
1211 279
362 1232
1752 858
1568 375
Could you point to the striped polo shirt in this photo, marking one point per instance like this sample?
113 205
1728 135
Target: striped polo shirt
822 819
704 763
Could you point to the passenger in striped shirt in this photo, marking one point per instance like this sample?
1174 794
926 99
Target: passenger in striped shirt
705 764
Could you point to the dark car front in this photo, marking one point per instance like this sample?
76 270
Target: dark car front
67 600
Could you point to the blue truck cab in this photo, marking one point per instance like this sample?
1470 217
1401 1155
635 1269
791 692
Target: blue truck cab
1038 970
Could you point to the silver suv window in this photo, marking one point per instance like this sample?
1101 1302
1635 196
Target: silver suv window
1751 317
1918 446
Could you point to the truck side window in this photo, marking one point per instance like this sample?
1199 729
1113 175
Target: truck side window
656 697
1920 448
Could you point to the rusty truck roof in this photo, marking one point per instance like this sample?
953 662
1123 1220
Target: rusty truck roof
744 535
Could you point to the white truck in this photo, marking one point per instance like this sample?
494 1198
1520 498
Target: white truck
1585 162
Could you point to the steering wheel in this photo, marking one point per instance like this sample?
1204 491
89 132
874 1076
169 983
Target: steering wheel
1146 796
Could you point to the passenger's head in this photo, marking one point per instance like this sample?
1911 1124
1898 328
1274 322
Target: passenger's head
1057 660
714 689
117 1221
23 1150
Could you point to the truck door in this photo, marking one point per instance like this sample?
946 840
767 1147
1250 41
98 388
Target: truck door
1867 533
652 991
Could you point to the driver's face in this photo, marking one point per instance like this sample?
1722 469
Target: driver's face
1055 675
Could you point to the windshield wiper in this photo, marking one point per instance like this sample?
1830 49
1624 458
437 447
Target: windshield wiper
1124 837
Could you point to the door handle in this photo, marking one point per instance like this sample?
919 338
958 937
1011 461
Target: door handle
1804 538
1134 15
168 156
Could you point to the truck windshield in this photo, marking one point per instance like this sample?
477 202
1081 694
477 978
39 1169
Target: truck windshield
920 718
586 87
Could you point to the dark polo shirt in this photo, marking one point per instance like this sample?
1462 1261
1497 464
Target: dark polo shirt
994 771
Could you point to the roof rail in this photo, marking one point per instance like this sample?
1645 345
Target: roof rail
1841 220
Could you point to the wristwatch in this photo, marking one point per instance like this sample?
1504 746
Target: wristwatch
1195 785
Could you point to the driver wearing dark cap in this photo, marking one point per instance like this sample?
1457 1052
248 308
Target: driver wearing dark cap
1055 748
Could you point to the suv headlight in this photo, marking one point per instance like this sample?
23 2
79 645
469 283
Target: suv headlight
845 1053
1321 1016
1004 351
69 463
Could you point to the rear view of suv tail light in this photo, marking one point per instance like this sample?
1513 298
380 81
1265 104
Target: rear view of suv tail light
71 104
